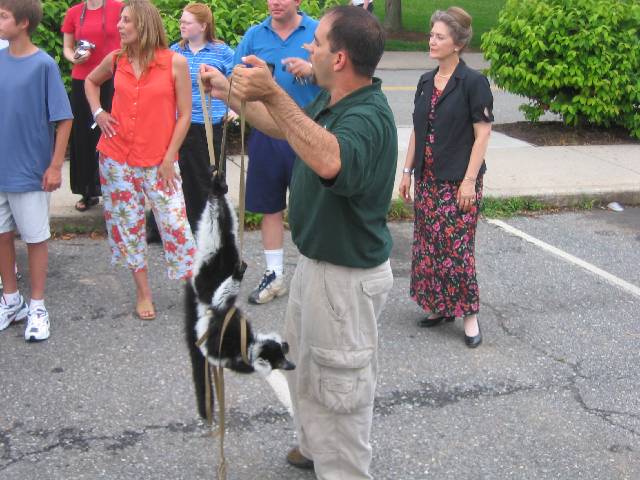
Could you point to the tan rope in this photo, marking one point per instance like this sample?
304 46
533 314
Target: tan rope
218 371
207 123
242 187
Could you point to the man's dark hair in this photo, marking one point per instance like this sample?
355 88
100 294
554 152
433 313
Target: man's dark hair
360 34
21 10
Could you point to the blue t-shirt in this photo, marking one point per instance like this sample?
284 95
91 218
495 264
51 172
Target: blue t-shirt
32 98
261 40
218 55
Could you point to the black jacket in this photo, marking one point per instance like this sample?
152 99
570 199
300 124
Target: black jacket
466 100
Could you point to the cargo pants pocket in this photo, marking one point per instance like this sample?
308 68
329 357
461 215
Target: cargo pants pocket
342 380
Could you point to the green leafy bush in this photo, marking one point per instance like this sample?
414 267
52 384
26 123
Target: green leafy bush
576 58
48 36
233 18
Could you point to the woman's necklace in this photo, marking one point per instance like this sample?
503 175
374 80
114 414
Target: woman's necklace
443 76
447 76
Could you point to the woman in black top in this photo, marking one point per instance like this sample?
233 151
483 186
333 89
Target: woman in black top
452 123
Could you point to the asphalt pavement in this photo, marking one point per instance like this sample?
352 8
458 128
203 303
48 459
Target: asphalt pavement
551 394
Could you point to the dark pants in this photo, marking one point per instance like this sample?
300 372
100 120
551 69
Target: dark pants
194 170
83 165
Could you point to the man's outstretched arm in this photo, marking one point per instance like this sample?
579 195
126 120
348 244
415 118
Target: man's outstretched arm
270 107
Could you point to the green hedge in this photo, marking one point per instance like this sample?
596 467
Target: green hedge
576 58
233 18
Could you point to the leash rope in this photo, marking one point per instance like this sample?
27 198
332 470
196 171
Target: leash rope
218 370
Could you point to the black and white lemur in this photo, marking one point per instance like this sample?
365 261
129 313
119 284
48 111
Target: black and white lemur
213 291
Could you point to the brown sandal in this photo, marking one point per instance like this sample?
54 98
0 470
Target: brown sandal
144 312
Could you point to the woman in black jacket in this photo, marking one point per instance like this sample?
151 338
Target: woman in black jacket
451 128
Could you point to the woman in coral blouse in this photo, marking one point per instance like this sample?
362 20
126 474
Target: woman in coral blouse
93 21
139 146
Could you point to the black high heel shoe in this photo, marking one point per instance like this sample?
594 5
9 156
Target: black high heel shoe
473 342
432 322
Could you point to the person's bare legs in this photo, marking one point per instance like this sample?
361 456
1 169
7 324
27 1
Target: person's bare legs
272 229
7 262
144 301
38 266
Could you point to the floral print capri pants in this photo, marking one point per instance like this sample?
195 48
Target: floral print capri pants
123 191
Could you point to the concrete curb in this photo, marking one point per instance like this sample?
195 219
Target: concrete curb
569 200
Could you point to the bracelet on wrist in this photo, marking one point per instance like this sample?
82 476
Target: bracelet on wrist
408 171
473 179
97 112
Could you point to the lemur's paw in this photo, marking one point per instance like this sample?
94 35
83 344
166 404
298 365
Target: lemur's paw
239 269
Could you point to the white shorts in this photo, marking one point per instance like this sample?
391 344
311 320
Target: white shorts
28 212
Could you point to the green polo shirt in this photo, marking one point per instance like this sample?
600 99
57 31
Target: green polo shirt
344 222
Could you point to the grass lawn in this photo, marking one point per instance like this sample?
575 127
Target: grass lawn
416 14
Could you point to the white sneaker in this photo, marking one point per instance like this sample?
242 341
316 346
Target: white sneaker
12 313
271 286
37 325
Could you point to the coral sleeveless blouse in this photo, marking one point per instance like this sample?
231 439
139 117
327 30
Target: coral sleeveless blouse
145 109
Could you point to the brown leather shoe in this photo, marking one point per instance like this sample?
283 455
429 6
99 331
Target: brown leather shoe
296 459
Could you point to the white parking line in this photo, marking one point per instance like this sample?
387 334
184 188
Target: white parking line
567 257
279 384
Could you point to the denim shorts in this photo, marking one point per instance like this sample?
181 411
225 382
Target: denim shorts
269 174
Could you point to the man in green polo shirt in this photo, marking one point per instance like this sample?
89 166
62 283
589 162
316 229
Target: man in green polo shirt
346 144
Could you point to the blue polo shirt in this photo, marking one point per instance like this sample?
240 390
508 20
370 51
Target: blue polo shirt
218 55
261 40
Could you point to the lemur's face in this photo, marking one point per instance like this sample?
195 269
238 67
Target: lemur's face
218 185
271 351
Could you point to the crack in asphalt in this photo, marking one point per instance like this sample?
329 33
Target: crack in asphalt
5 443
576 369
74 438
604 414
502 318
438 397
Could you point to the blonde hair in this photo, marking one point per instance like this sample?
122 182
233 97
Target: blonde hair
151 35
459 23
204 15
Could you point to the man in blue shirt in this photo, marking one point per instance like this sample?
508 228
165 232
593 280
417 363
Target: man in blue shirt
279 40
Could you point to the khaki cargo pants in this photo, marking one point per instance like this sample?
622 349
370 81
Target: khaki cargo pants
333 337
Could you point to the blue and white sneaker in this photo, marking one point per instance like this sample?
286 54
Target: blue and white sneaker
37 325
271 286
12 313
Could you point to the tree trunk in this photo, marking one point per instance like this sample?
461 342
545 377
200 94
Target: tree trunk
393 15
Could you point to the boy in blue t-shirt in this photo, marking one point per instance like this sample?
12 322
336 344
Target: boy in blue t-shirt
32 151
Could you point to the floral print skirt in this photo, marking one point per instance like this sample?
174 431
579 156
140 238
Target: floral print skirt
443 270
